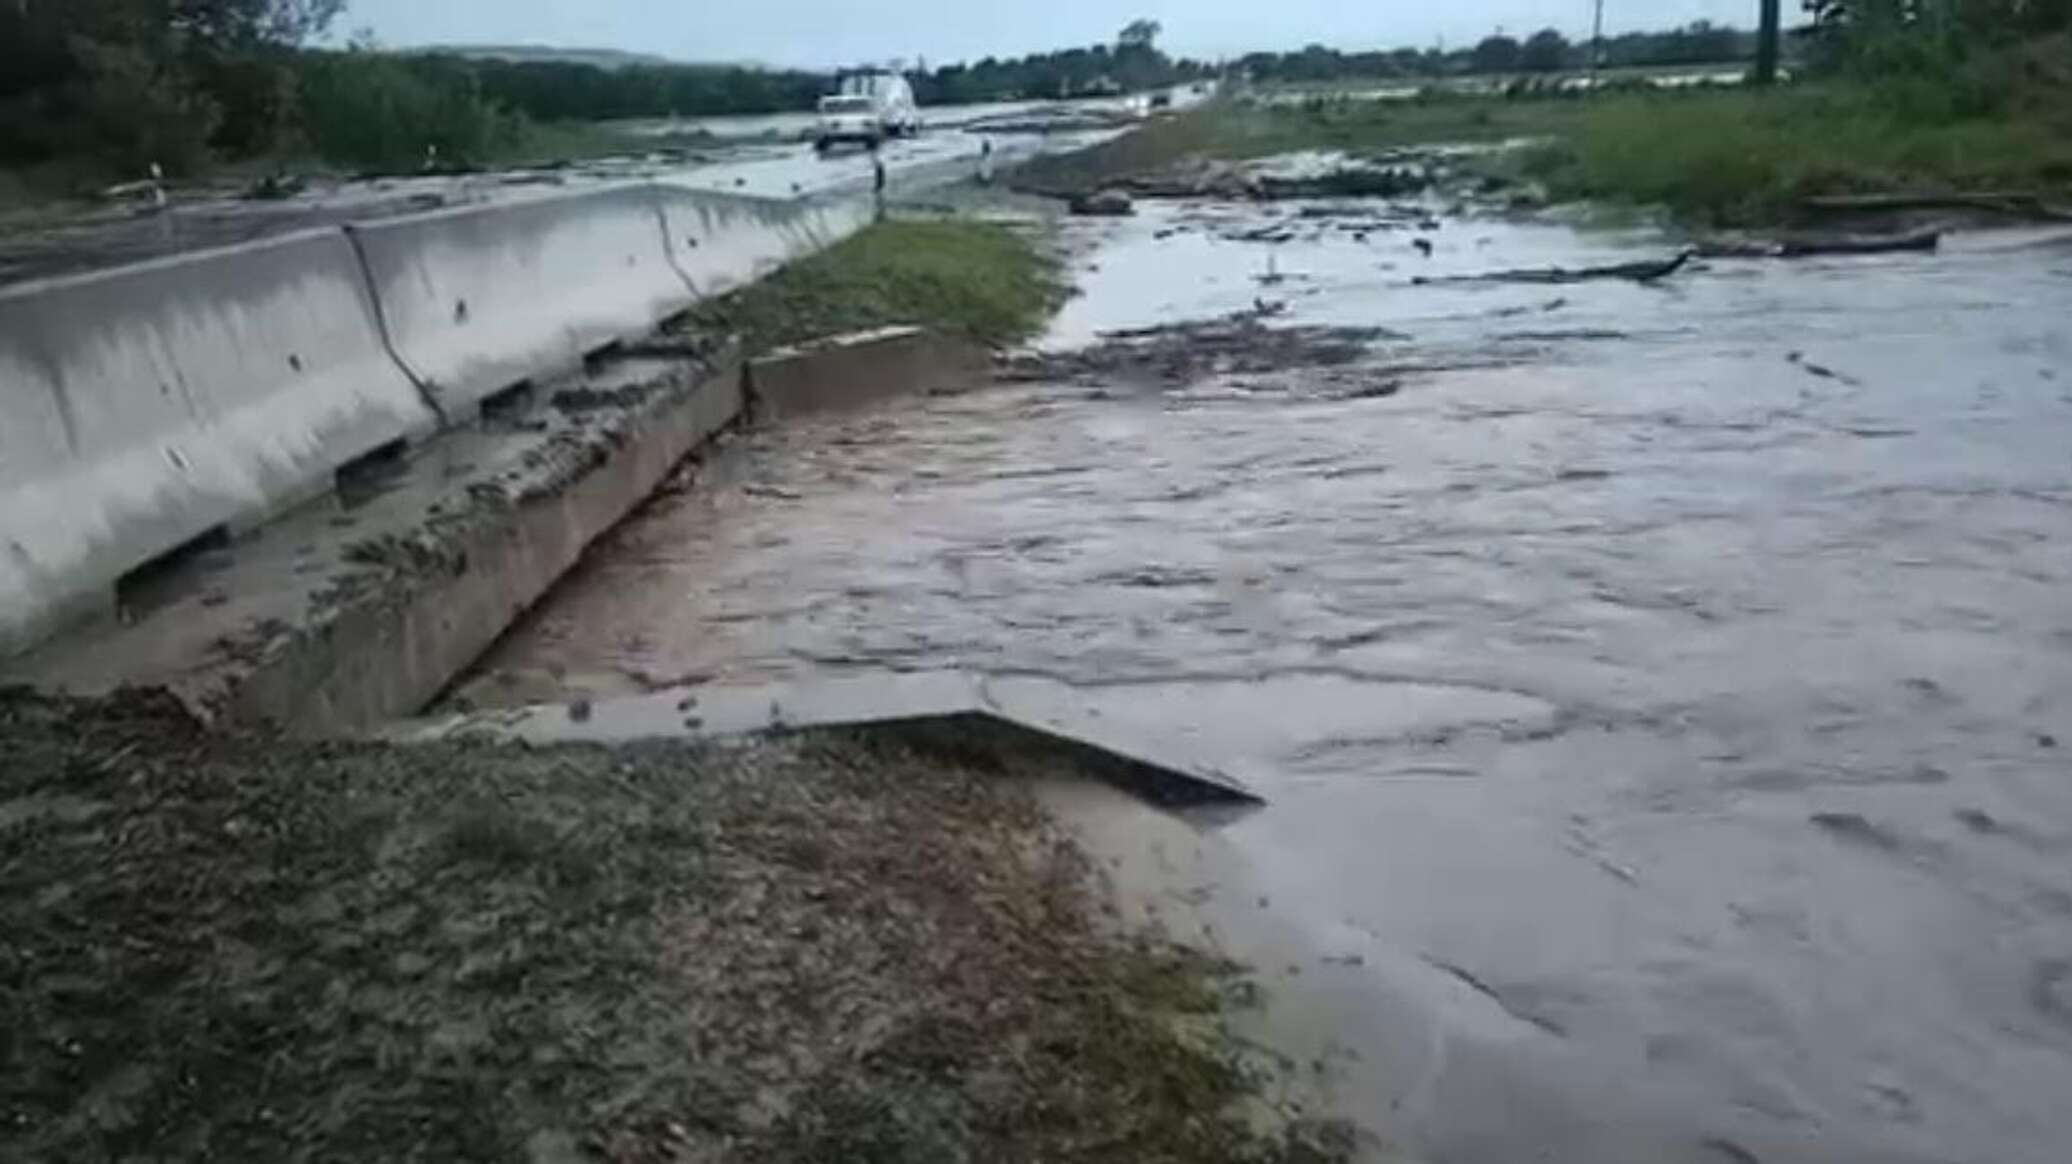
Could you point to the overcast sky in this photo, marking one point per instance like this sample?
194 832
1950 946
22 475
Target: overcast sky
835 32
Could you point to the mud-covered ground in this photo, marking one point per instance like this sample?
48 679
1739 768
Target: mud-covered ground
818 948
1661 688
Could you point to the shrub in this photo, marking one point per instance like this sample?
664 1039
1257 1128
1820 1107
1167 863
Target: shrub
385 112
262 109
137 109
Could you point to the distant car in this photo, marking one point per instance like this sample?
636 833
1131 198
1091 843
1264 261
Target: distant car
870 106
847 119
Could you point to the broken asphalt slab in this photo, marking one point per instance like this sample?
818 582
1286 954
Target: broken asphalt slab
953 710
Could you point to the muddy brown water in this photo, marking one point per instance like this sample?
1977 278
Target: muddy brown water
1664 696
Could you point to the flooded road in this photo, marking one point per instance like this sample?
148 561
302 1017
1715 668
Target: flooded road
799 125
68 238
1673 682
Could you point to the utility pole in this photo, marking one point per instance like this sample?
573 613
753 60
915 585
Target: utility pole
1767 37
1597 40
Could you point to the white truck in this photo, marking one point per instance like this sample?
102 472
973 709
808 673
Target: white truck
867 107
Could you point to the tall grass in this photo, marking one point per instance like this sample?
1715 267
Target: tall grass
1738 157
1246 129
1715 155
979 280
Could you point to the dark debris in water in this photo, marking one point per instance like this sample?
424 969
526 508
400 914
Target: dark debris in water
1177 354
1642 271
590 399
1207 178
1854 828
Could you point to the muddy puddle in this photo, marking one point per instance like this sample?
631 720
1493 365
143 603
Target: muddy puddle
1662 691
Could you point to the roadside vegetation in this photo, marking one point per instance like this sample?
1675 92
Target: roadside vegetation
819 949
97 92
93 91
1698 43
1971 95
1745 157
1882 104
985 281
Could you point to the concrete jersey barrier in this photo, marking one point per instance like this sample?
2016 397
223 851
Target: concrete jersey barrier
143 407
725 242
148 405
482 298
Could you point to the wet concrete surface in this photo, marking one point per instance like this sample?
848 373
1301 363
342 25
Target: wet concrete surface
361 604
799 125
1662 692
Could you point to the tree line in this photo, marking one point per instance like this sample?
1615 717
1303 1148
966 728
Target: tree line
573 91
1544 51
182 83
1134 63
142 81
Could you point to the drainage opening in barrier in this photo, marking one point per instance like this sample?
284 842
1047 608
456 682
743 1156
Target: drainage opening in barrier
152 585
507 403
672 346
370 474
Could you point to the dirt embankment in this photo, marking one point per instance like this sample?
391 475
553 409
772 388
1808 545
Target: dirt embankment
816 948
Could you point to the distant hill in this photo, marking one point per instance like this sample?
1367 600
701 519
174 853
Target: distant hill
539 53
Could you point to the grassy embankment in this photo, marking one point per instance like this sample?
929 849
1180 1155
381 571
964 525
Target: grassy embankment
1714 156
984 281
823 948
